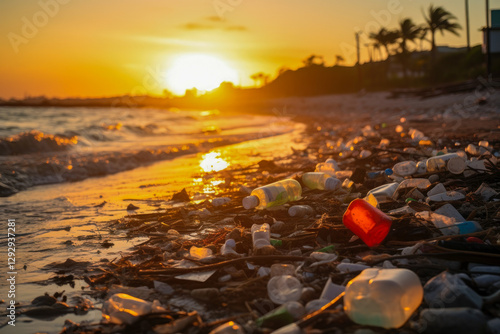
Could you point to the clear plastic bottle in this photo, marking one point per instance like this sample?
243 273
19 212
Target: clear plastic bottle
320 180
285 288
261 235
451 162
405 168
300 211
274 194
383 297
330 166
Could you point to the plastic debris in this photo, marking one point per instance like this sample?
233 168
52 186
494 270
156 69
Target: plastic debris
274 194
383 297
125 309
285 288
367 222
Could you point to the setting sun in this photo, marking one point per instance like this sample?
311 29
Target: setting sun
200 71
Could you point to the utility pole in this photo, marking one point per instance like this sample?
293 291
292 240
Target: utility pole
357 47
369 51
467 23
488 47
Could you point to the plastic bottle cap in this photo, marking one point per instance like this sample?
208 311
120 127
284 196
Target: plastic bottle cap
456 165
389 171
332 183
250 202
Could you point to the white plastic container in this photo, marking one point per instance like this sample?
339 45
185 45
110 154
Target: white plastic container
451 162
285 288
300 211
405 168
383 297
274 194
321 181
261 235
125 309
384 191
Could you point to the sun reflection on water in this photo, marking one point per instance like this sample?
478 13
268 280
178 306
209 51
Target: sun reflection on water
208 186
212 162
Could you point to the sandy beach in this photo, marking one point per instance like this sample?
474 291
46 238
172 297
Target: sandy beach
88 222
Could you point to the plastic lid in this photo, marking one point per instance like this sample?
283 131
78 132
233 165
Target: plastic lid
456 165
332 183
250 202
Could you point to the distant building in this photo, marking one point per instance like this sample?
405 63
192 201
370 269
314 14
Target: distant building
494 32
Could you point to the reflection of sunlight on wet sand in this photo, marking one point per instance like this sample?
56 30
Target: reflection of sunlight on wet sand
211 162
209 186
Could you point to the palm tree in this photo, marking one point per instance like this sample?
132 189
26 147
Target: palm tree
408 32
439 19
384 38
376 47
422 37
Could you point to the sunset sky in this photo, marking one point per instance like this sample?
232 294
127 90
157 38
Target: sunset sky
113 47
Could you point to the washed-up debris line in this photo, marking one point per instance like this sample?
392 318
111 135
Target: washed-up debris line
383 228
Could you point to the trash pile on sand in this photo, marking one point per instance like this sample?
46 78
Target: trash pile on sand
364 231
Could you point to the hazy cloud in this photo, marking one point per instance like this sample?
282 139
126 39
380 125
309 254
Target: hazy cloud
197 26
213 22
215 19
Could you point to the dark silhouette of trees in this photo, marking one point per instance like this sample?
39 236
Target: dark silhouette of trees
408 32
339 59
439 19
261 78
313 60
384 38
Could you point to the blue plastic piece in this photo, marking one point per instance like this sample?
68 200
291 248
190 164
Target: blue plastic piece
467 227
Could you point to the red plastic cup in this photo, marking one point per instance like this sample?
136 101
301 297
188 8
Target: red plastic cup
369 223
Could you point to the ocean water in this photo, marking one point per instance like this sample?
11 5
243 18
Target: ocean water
90 164
55 145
